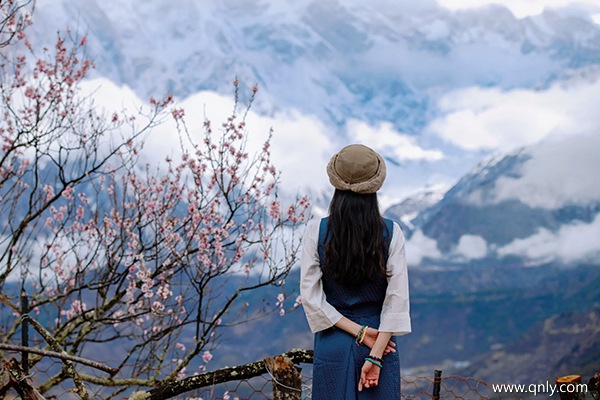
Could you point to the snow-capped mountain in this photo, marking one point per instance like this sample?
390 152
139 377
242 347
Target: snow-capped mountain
540 203
411 207
372 61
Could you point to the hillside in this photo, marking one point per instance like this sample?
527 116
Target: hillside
565 344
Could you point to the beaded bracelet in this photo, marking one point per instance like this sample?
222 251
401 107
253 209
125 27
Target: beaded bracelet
372 361
360 335
364 333
375 358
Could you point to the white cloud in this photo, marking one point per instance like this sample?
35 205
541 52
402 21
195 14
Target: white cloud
489 118
389 142
520 8
559 172
300 146
420 246
472 247
571 243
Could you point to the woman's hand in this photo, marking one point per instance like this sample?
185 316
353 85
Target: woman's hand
369 376
371 336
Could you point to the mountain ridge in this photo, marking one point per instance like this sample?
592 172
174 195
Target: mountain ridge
360 60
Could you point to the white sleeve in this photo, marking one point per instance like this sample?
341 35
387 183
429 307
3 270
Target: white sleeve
319 313
395 315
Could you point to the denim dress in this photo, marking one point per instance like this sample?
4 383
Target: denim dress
338 360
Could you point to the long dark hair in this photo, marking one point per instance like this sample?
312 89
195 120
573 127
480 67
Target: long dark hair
355 251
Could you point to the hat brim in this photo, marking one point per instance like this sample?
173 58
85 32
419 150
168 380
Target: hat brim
370 186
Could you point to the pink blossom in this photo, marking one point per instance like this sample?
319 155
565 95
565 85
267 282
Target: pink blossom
49 190
77 307
178 113
206 356
164 292
68 193
274 210
280 299
157 307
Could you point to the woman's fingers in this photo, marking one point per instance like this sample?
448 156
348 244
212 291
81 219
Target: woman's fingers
369 376
365 381
389 348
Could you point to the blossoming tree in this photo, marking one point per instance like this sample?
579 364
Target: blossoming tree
126 262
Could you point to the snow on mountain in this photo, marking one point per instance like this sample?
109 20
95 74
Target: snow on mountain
409 208
367 61
540 204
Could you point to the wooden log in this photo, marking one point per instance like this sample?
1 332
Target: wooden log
287 381
566 385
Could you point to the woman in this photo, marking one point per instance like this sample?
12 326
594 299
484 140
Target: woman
354 285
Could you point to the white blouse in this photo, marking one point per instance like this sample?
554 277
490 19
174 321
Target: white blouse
395 315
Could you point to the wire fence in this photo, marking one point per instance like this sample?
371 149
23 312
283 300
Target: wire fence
261 387
413 388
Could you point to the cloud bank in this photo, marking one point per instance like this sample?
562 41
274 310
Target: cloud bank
389 142
479 118
560 172
420 246
571 243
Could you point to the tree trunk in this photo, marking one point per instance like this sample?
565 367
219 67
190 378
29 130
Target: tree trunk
565 382
287 381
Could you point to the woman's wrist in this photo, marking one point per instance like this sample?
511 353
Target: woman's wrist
381 342
361 334
374 360
376 354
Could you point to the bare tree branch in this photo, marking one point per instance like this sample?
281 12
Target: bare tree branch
62 356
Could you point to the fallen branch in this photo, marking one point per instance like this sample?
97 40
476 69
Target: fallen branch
173 388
